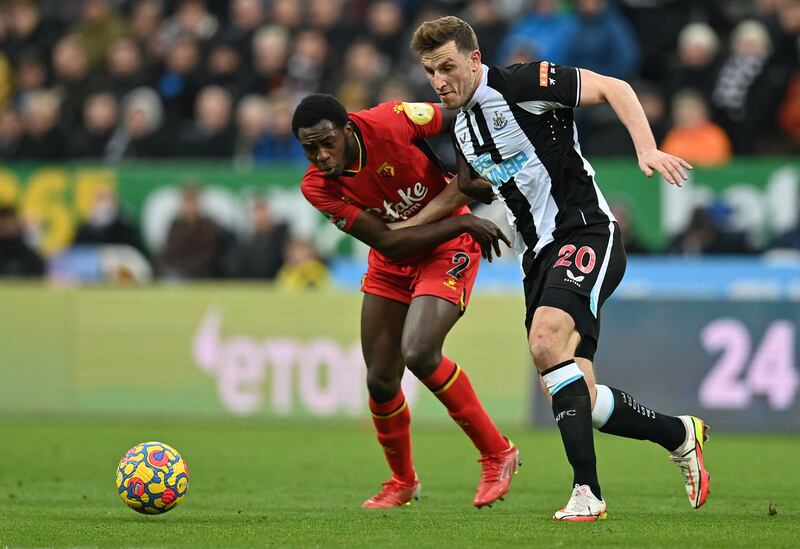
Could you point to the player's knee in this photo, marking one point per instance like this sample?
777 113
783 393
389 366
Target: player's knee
421 359
544 352
382 387
550 341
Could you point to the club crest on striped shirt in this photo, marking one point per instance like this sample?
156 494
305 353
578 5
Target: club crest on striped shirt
499 121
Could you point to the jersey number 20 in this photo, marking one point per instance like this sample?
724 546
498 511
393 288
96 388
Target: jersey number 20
585 259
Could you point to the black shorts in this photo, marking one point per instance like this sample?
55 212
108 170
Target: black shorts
576 275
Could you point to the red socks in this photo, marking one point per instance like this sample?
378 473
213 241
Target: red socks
452 387
392 420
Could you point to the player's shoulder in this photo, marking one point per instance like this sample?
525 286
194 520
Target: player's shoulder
398 113
509 74
313 184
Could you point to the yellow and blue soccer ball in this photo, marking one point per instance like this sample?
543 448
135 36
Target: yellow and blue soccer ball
152 478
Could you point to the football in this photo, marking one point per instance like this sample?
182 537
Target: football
152 478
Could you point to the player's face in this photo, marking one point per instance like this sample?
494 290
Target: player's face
325 146
452 73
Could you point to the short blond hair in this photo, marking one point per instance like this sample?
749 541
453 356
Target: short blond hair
433 34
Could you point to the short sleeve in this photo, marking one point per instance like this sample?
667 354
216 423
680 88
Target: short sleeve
411 120
336 208
555 86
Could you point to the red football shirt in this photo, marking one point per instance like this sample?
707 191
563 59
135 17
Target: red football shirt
393 178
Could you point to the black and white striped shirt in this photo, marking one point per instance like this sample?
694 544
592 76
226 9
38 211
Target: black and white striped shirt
518 132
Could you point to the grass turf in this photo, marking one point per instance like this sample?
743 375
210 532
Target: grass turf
301 484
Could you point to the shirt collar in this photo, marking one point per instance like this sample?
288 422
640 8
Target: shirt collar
479 90
362 151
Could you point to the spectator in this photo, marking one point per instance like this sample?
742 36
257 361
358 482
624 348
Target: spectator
707 234
224 69
287 14
325 16
364 71
195 243
192 19
143 26
697 62
261 254
782 21
180 80
99 28
747 86
28 29
694 137
384 23
279 144
106 224
490 29
125 68
656 24
31 74
302 268
73 79
251 130
246 17
542 31
42 137
307 67
601 40
140 135
17 259
211 134
100 113
270 54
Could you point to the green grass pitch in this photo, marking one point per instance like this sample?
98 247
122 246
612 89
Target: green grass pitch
300 484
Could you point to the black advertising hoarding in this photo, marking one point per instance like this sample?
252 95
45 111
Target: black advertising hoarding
733 363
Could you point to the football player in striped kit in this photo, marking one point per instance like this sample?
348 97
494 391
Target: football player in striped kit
515 138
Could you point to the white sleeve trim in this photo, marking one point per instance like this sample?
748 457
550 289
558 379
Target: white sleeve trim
578 98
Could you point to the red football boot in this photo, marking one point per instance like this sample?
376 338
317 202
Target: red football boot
395 493
497 470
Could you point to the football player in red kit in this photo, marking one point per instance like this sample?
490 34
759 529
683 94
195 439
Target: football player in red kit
370 168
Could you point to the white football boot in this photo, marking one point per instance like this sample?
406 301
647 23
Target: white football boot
689 457
583 506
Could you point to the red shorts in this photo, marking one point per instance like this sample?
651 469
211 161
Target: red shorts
447 272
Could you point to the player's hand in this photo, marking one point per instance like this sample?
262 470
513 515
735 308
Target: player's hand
670 167
479 189
485 233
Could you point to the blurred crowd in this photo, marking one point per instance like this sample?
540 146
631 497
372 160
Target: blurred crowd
113 80
121 79
197 245
107 246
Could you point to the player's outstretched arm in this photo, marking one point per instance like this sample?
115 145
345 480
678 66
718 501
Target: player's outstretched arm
408 241
442 205
596 89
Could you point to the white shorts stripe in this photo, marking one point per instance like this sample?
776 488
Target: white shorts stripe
594 296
